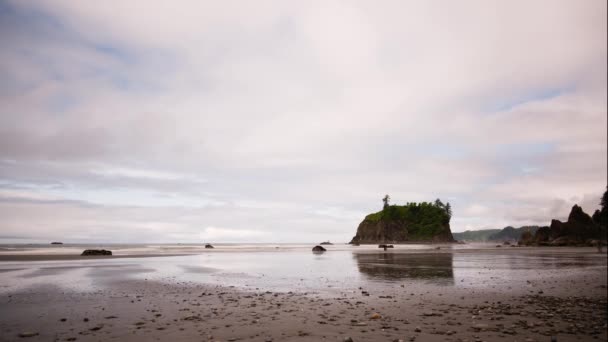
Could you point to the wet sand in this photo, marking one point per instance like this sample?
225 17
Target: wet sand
65 257
427 303
145 311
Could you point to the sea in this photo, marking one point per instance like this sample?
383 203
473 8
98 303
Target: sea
341 269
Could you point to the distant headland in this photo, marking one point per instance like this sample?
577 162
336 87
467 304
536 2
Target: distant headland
410 223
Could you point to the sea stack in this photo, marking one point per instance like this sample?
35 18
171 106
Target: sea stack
579 230
411 223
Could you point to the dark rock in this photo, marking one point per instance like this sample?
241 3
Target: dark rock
28 334
318 249
326 243
209 246
56 243
96 252
578 230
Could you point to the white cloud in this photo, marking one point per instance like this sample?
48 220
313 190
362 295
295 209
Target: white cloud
228 235
307 113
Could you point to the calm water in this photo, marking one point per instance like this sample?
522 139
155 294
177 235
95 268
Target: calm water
296 268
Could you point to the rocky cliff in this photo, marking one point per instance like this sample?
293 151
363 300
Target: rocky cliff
413 222
578 230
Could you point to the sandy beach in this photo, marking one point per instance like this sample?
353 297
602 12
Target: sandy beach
409 294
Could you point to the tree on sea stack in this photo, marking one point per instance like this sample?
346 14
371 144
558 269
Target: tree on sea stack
385 200
448 210
446 207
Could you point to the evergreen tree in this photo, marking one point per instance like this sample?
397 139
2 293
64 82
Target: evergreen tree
600 217
385 201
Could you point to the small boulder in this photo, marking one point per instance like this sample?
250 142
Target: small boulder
209 246
28 334
319 249
89 252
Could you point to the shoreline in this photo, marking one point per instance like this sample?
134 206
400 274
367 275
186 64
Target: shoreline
455 295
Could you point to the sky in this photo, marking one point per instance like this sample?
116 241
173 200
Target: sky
288 121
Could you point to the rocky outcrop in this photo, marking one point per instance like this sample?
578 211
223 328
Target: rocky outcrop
93 252
209 246
412 223
578 230
318 249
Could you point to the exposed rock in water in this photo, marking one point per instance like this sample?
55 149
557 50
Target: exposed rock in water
96 252
326 243
56 243
386 246
413 222
209 246
578 230
318 249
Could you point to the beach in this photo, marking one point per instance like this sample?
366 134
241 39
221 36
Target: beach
287 293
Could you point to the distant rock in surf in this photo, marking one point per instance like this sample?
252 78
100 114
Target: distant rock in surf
326 243
209 246
89 252
56 243
318 249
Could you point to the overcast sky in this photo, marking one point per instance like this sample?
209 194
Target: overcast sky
287 121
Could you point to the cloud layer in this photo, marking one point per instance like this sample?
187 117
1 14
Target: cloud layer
134 121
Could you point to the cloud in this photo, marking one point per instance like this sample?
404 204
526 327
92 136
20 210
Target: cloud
225 234
265 115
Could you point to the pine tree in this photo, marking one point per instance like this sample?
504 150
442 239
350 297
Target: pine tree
386 200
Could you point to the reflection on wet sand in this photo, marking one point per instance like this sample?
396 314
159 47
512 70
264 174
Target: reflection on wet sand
437 268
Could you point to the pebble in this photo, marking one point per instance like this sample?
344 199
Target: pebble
28 334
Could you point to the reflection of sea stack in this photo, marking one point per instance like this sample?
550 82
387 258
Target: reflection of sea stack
413 222
395 266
